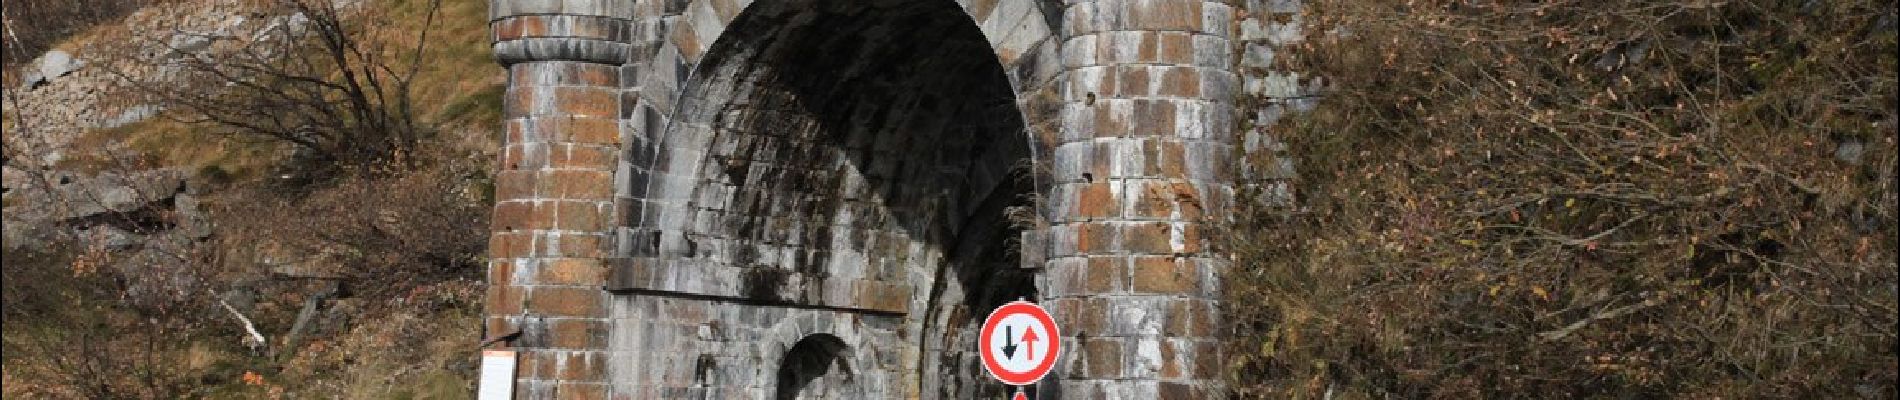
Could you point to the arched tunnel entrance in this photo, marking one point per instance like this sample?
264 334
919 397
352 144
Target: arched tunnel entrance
853 157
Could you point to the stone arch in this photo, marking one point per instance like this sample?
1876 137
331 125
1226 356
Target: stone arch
862 157
804 341
1022 34
816 367
1012 28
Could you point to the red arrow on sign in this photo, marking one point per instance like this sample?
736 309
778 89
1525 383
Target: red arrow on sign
1029 343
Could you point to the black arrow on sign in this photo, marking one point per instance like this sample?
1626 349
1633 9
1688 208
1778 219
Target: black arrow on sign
1009 336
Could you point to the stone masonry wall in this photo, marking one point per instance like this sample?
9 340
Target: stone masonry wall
822 198
1270 33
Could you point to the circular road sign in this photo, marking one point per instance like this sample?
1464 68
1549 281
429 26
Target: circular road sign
1019 343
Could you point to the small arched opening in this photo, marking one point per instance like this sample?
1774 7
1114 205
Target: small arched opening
816 368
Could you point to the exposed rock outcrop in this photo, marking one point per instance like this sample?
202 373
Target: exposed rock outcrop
116 210
52 65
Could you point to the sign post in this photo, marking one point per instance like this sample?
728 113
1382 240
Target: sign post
1020 344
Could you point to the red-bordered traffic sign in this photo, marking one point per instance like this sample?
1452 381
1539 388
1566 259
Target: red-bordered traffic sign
1019 343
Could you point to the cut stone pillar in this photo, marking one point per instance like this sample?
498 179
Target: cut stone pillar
1141 173
554 189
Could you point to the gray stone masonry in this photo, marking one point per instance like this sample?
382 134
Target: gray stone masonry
823 198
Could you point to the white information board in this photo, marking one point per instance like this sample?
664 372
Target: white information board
498 375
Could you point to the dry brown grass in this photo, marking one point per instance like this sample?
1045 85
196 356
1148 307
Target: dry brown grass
34 26
406 250
1582 199
405 235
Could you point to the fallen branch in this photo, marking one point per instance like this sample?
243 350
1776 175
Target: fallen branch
256 340
1618 312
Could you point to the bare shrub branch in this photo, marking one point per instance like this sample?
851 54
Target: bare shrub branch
1591 198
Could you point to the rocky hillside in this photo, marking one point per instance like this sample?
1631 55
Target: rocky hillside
223 263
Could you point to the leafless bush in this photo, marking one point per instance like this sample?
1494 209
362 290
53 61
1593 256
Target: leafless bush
1582 199
103 344
322 83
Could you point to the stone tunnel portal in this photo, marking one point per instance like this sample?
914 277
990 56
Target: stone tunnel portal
855 170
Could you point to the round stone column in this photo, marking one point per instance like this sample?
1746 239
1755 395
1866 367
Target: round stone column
1141 175
554 189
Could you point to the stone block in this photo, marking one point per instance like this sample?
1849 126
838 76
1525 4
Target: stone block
580 391
577 245
1145 359
1190 318
513 215
560 26
1066 275
587 272
497 326
1175 48
1097 199
584 102
524 156
1103 357
1257 55
1208 360
1147 238
1160 15
577 334
1132 81
502 273
612 9
1165 275
1286 33
1179 82
583 216
510 245
1175 390
1091 237
582 157
560 73
503 300
564 301
575 184
1106 275
1079 51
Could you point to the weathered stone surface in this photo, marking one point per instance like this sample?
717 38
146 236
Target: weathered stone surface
765 184
66 197
189 43
1257 56
131 115
55 64
52 65
1274 27
117 211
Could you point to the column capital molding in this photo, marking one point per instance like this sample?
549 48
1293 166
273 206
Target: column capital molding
592 31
